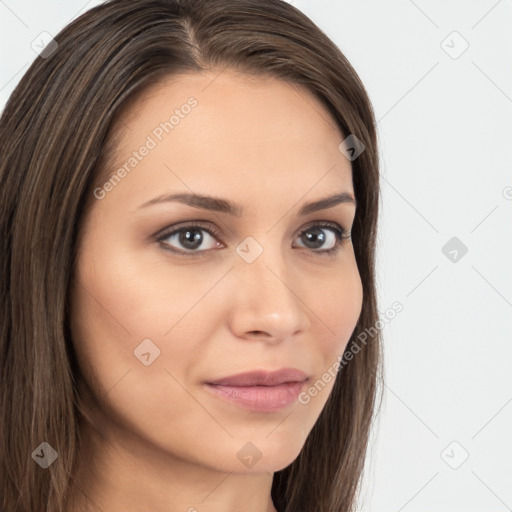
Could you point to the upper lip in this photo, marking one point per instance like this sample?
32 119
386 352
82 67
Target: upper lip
262 378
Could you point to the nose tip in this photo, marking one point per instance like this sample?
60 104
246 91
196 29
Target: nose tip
271 327
265 305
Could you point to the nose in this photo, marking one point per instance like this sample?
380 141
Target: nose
268 301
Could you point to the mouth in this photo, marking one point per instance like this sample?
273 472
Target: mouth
260 391
260 398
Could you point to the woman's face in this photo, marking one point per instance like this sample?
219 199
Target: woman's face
153 321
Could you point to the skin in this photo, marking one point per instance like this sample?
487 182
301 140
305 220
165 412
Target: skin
158 440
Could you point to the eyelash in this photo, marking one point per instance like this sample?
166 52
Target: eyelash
340 232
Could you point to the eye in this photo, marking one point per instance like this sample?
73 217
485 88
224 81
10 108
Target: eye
190 238
314 234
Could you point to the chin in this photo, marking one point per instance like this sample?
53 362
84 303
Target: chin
261 455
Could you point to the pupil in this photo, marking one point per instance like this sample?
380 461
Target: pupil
191 238
317 236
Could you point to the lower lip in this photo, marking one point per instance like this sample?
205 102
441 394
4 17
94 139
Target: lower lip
259 398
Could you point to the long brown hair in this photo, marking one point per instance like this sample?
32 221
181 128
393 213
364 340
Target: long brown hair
55 138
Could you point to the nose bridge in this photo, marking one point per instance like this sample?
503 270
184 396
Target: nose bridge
263 265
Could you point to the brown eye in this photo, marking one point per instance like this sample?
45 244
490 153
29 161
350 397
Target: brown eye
316 237
189 239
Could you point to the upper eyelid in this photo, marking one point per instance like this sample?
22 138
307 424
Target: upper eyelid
170 230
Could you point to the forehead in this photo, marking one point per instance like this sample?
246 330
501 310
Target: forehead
212 128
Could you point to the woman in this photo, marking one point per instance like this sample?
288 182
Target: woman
177 332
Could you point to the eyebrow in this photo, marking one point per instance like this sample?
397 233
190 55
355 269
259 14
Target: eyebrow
225 206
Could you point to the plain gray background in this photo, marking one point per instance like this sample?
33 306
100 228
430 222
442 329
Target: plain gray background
439 75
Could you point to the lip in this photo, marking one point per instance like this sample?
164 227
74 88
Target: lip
262 378
260 391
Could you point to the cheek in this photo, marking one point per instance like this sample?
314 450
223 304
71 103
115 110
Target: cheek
124 296
123 309
340 306
327 354
119 307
